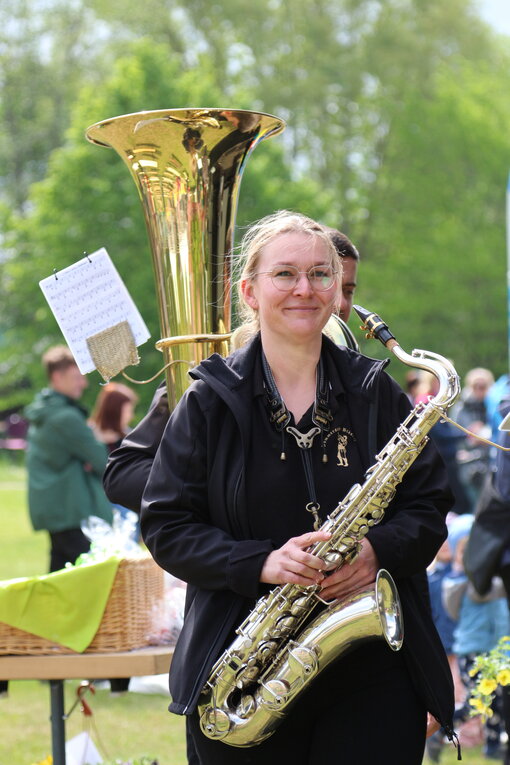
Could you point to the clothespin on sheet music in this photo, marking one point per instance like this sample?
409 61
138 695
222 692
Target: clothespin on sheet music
96 315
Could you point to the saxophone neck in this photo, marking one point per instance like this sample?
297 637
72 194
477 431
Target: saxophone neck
442 369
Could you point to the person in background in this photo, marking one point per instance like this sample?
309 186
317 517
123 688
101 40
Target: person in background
113 411
412 385
473 456
447 439
110 420
65 461
342 335
209 518
481 622
129 466
440 567
502 487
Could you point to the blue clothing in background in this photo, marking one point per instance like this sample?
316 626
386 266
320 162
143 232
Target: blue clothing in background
482 620
445 625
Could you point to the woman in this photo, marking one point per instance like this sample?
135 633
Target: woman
225 509
113 411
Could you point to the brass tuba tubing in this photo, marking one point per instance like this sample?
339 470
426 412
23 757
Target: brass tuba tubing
187 165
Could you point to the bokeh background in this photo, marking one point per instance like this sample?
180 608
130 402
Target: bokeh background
398 133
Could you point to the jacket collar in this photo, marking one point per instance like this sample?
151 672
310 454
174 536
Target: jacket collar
355 373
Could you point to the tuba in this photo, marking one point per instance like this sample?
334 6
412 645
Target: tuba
187 165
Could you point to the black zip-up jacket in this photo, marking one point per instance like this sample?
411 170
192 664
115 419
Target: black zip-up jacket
194 519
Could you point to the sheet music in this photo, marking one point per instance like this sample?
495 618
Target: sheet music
88 297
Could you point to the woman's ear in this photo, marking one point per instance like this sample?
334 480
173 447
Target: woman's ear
248 294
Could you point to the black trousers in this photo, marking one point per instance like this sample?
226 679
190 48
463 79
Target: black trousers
66 546
355 712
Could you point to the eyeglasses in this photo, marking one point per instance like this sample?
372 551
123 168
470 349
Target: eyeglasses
285 278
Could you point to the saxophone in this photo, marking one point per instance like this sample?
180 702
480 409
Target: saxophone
292 634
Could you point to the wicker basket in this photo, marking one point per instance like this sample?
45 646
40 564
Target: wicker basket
127 620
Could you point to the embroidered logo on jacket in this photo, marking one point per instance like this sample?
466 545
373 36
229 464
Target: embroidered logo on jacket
343 436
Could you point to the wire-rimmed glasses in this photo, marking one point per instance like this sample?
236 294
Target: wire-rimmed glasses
285 278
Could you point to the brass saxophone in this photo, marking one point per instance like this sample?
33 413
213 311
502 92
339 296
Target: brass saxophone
283 643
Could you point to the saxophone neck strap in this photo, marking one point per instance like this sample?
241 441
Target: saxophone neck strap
322 417
280 416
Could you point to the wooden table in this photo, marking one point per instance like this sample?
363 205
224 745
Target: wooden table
154 660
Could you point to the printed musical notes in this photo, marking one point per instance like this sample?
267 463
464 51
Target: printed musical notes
88 297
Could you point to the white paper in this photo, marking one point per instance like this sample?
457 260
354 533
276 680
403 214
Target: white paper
88 297
81 750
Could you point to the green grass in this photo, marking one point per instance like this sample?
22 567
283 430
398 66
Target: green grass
128 726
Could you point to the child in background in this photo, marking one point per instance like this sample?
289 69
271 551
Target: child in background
439 569
481 622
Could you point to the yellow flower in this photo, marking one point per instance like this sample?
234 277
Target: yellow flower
487 686
472 672
478 705
503 677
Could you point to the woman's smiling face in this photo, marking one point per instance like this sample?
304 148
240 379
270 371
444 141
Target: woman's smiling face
302 311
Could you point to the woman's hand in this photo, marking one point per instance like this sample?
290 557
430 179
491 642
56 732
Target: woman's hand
290 564
432 725
352 576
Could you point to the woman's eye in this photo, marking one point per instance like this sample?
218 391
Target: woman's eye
320 273
283 273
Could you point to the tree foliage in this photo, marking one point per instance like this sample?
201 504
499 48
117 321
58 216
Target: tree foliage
88 200
397 115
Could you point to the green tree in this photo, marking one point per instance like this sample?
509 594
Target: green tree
437 231
43 47
397 132
88 200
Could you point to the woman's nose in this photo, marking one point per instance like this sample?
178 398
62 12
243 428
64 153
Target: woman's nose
302 283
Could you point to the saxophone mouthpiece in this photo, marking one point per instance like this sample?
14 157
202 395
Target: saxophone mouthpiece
374 326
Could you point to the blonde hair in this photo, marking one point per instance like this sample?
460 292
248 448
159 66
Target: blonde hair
255 239
479 374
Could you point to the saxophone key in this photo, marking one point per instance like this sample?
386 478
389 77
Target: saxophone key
215 723
247 676
302 661
266 650
274 693
300 605
332 559
246 707
353 554
283 625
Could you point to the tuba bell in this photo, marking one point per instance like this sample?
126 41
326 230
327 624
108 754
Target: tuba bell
187 165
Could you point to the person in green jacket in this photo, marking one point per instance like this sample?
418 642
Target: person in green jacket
65 462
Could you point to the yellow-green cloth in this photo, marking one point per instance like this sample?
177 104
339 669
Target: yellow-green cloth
65 607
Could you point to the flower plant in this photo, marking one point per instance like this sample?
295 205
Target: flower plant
490 670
